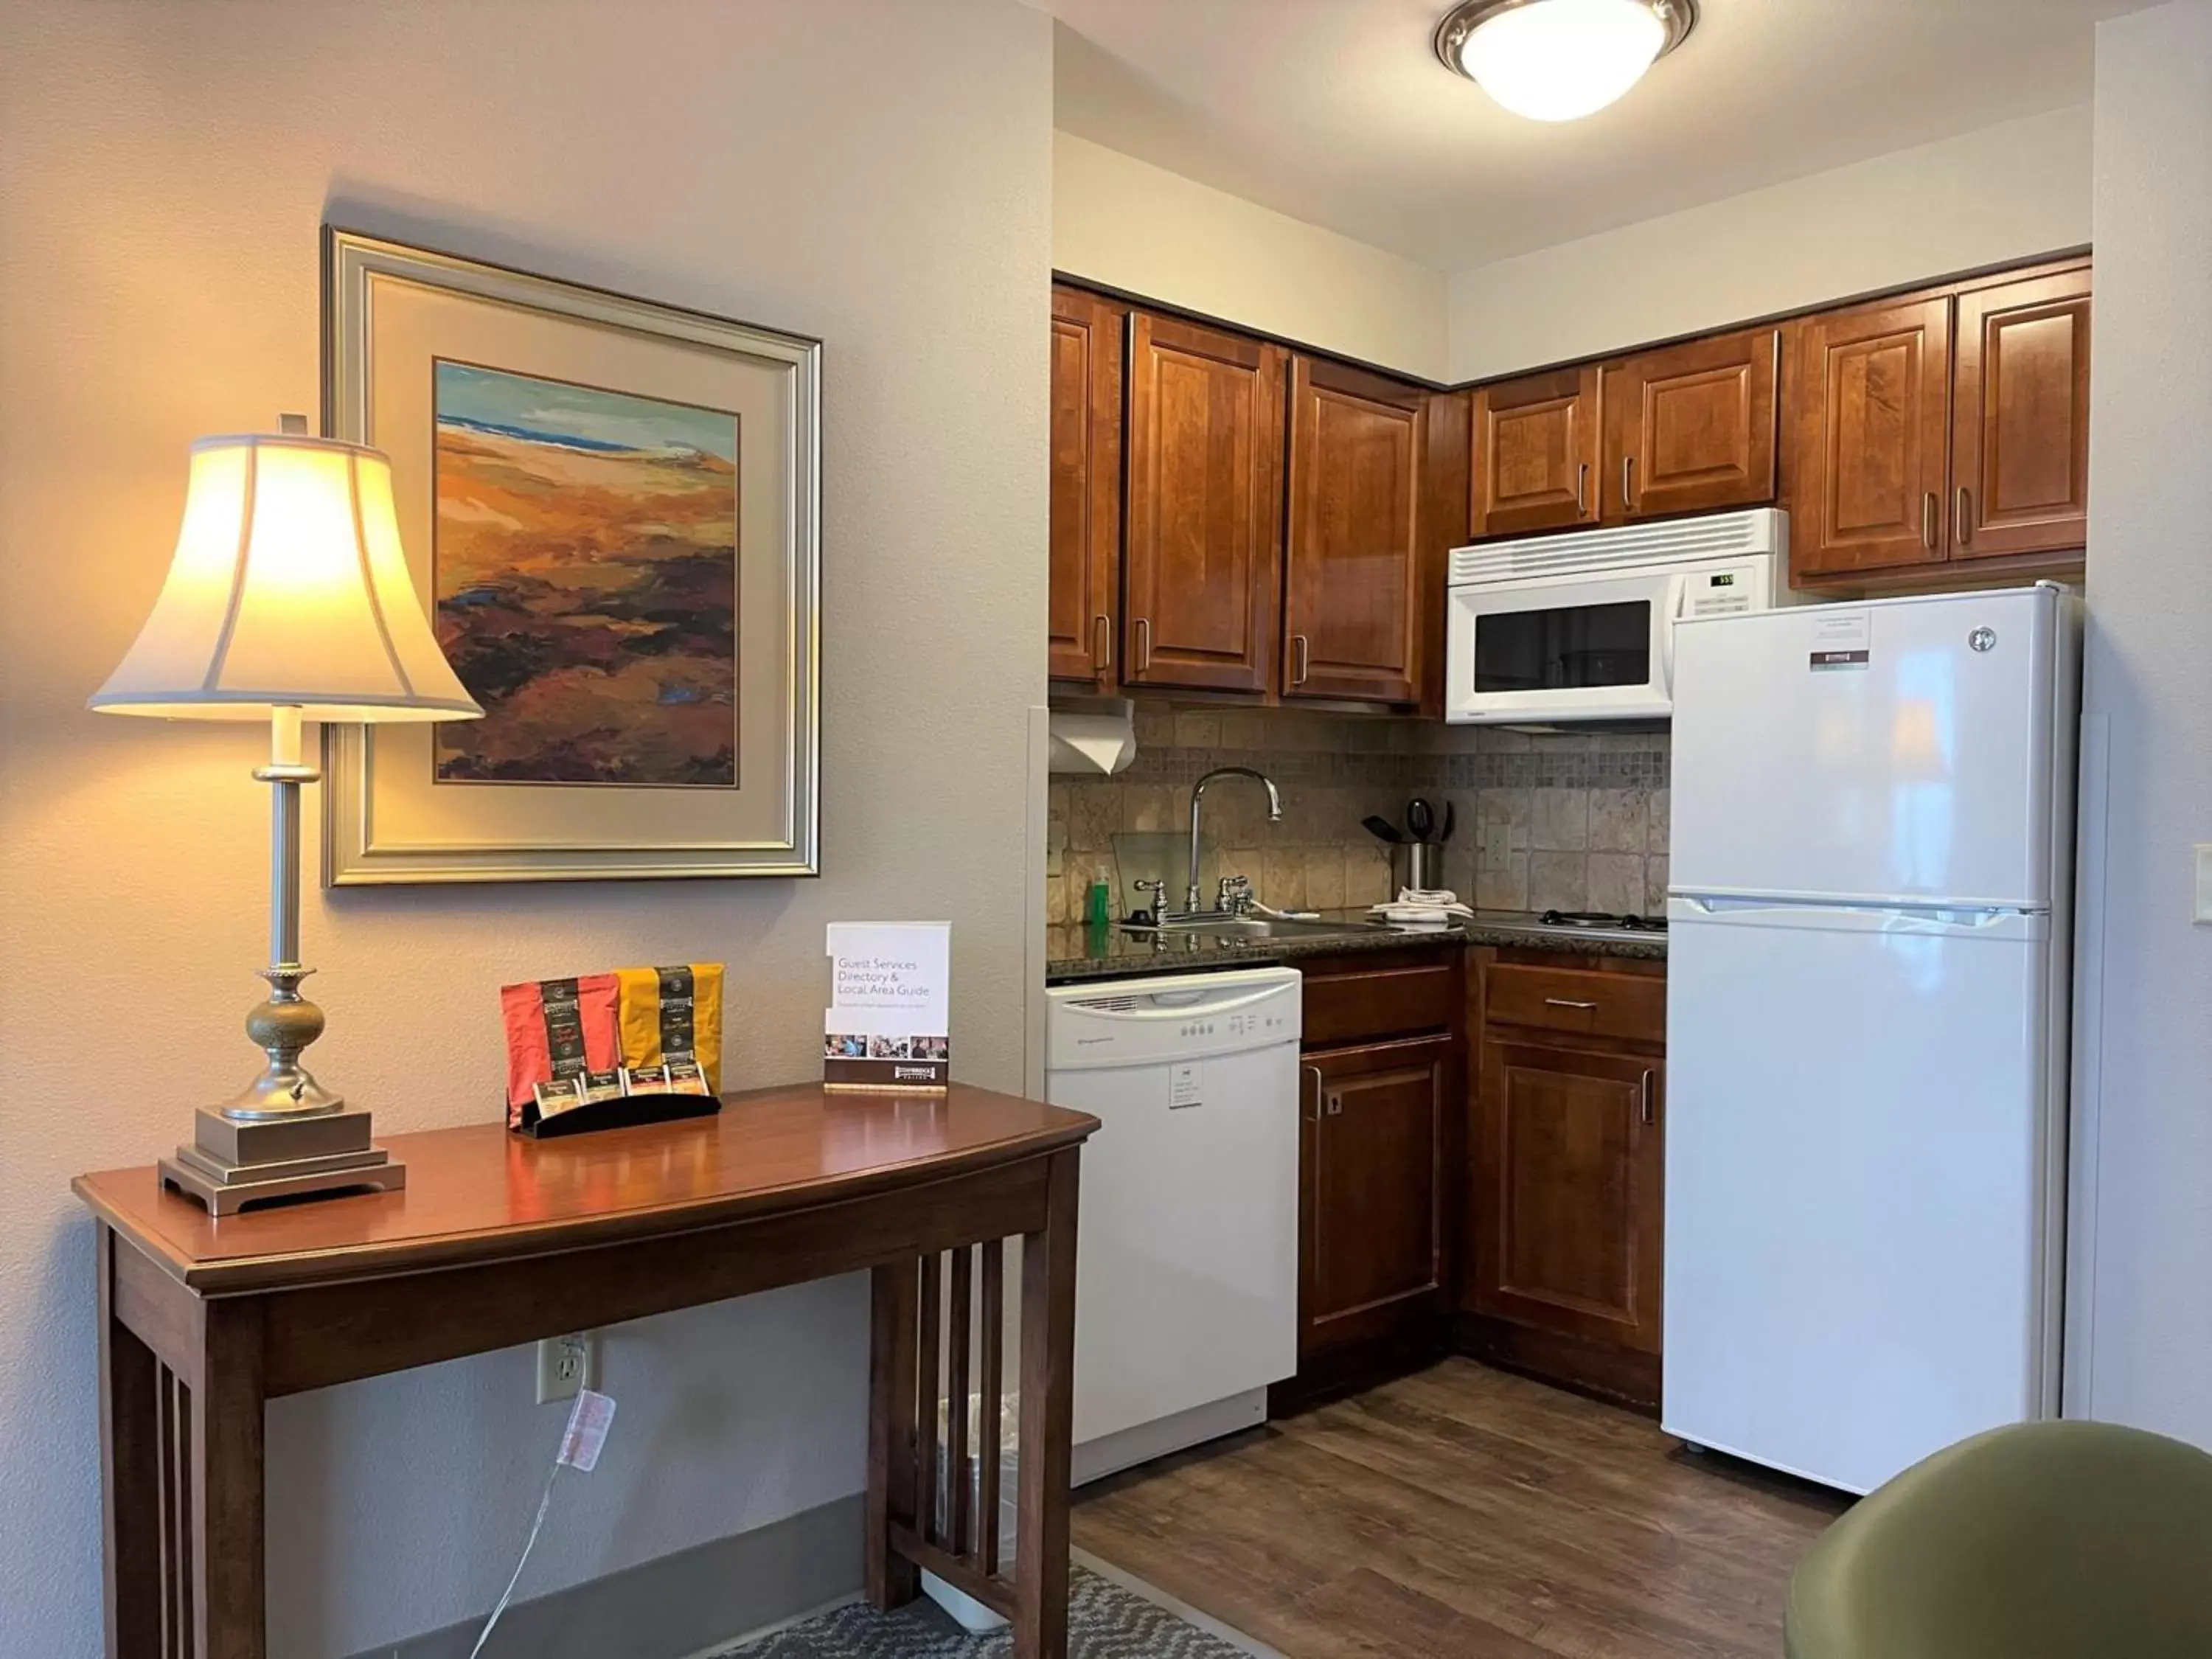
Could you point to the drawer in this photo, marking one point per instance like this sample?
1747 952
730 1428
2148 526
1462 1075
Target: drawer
1356 1007
1631 1007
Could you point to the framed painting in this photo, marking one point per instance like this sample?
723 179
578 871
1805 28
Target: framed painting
612 510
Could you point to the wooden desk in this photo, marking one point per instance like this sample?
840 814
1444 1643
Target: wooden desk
499 1240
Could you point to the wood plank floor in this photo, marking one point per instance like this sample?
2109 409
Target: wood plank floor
1463 1512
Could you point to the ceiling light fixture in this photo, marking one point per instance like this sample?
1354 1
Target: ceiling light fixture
1559 60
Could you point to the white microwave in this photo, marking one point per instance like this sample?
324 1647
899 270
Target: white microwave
1581 626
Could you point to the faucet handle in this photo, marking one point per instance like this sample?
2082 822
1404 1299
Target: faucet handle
1234 895
1158 890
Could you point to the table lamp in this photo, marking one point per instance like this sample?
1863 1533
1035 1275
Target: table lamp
288 599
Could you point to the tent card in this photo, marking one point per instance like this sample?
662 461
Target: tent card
890 1021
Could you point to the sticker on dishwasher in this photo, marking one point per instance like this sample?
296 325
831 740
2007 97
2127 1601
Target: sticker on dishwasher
1186 1085
1844 640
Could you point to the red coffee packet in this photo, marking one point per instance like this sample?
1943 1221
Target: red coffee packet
558 1030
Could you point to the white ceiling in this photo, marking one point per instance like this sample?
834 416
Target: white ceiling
1337 112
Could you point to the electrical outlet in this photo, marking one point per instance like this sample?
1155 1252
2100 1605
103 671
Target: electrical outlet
566 1364
2204 882
1494 842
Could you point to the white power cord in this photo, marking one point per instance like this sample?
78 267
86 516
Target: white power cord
545 1504
587 1431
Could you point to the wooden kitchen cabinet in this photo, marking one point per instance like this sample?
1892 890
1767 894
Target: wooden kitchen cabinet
1564 1232
1084 608
1382 1070
1352 560
1871 419
1202 552
1569 1185
1371 1196
1537 453
2020 443
1691 428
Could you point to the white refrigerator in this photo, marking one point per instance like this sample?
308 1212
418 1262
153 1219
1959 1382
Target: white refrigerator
1868 953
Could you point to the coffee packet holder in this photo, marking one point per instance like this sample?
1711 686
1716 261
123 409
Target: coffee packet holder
624 1112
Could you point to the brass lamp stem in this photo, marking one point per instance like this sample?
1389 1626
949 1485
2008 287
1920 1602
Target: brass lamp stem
286 1023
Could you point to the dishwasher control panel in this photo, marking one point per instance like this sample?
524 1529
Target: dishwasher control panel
1178 1017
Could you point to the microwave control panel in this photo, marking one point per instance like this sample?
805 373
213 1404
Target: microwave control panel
1724 592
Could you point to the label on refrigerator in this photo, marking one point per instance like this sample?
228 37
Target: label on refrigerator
1843 641
1186 1085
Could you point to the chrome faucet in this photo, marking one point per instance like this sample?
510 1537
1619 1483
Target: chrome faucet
1198 796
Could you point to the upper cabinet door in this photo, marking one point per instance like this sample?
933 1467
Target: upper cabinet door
1351 625
1871 424
1203 548
1536 452
2021 436
1690 428
1086 486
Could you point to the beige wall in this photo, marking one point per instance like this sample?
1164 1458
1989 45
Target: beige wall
2140 1317
163 169
1135 226
2005 193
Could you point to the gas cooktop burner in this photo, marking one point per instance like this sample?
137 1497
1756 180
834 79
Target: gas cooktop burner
1599 920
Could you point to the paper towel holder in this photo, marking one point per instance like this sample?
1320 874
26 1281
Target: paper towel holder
1092 736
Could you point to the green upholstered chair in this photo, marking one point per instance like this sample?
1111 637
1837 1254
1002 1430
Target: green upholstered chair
2045 1540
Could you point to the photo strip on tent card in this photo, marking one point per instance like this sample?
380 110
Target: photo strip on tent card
890 1021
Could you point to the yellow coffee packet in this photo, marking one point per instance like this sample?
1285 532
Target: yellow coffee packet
672 1016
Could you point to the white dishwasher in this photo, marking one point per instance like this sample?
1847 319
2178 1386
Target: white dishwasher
1186 1256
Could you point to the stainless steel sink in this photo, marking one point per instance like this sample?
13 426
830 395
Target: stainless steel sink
1264 927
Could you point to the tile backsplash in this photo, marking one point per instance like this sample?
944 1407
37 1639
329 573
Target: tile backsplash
1573 821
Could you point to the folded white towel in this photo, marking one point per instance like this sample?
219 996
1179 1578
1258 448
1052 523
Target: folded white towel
1415 908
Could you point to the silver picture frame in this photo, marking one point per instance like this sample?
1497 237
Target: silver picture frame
383 822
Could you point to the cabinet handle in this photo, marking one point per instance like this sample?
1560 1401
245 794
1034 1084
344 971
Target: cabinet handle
1102 642
1649 1113
1301 657
1627 471
1582 489
1319 1084
1928 508
1564 1002
1962 518
1144 644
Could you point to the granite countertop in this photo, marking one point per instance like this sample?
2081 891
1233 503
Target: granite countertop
1076 951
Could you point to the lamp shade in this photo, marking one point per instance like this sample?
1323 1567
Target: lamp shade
289 588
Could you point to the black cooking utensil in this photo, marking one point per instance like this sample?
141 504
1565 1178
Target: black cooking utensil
1420 818
1451 822
1384 830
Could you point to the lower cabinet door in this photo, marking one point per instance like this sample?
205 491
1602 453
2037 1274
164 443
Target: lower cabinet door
1570 1182
1370 1206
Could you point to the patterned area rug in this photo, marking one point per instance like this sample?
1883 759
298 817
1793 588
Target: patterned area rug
1105 1622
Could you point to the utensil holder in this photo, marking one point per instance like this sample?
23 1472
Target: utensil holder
1416 864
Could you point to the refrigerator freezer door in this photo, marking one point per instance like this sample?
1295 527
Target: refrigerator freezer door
1857 1171
1888 751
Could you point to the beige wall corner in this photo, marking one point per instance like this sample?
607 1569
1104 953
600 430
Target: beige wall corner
2004 192
1135 226
2139 1318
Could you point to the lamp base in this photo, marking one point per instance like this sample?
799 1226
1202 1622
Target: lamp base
231 1165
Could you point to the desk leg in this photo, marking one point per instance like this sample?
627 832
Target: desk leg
893 1580
180 1474
1047 1420
131 1470
224 1495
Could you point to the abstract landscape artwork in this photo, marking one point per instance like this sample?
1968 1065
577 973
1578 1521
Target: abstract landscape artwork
585 573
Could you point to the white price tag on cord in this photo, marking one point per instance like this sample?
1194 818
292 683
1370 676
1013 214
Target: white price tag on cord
589 1420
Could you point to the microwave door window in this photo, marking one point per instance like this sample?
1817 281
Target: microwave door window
1569 648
